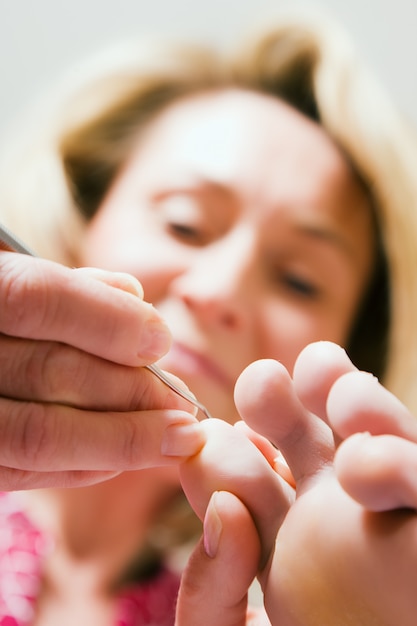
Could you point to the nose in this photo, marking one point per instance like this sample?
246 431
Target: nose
218 285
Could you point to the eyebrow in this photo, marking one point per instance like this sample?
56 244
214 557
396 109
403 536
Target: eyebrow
198 184
323 233
197 187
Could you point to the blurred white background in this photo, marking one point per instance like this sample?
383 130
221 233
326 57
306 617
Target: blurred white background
41 38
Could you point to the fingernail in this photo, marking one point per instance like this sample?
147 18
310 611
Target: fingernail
155 339
212 528
120 280
128 283
182 440
281 468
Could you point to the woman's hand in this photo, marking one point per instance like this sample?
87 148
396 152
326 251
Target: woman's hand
76 406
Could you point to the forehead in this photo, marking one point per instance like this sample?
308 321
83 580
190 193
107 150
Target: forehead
247 139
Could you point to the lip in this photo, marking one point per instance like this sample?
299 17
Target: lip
189 361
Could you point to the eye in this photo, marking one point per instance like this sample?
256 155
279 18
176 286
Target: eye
300 286
294 282
183 217
186 232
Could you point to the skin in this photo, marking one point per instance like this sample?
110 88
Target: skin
256 236
48 342
251 251
345 553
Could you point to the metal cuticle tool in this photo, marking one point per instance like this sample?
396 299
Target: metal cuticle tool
11 243
181 392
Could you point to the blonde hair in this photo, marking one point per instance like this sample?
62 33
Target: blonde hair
88 131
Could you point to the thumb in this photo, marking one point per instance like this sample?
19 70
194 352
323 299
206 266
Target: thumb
214 585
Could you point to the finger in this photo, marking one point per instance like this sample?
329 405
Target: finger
317 368
215 582
263 444
266 400
270 452
40 299
54 372
379 472
12 479
120 280
357 402
47 437
228 461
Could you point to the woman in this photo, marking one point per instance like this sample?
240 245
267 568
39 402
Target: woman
274 205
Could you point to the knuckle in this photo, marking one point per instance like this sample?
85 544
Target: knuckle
133 444
140 391
38 370
22 298
56 372
38 365
13 301
33 435
60 371
42 370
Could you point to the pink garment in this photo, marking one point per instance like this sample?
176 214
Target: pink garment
22 550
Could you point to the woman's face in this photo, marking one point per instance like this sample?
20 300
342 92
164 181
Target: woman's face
248 230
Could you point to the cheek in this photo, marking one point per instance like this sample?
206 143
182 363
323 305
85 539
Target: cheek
114 242
287 330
